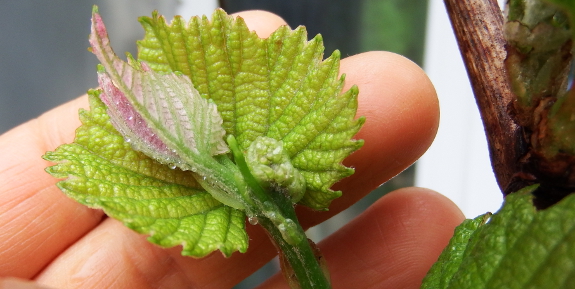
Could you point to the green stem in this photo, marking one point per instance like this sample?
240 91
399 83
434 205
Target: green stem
276 214
301 257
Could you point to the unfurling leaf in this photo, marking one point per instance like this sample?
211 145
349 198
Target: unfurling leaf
163 116
270 164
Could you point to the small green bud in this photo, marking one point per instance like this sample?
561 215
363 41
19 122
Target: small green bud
271 166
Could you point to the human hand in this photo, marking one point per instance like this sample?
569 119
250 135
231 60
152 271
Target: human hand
60 243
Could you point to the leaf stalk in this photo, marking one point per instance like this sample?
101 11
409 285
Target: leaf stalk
275 212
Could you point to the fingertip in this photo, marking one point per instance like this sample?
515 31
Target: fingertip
415 226
401 109
424 202
263 22
396 240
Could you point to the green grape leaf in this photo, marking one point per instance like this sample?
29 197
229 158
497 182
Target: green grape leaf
448 263
101 170
519 247
277 87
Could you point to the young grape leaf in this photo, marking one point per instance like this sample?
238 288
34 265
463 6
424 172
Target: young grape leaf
277 87
163 116
519 247
103 171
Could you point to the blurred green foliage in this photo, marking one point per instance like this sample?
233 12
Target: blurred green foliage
394 25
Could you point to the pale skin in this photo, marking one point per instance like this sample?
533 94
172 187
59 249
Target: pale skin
56 242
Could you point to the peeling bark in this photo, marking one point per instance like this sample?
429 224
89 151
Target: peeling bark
478 26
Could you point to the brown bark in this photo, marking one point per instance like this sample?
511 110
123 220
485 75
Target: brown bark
478 26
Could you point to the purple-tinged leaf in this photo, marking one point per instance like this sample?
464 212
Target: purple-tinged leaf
164 116
131 124
161 114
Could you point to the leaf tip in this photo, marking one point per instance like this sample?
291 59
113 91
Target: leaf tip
360 142
318 38
336 54
98 31
354 89
47 157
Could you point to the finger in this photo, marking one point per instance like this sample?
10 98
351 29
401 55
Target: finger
392 244
113 256
402 115
37 221
208 271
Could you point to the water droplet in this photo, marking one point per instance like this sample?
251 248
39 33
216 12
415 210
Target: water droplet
130 118
253 220
128 139
271 215
204 178
172 166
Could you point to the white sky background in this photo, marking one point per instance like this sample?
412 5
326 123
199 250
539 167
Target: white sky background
189 8
457 164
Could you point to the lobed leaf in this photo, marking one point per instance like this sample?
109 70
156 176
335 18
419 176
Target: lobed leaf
277 87
103 171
